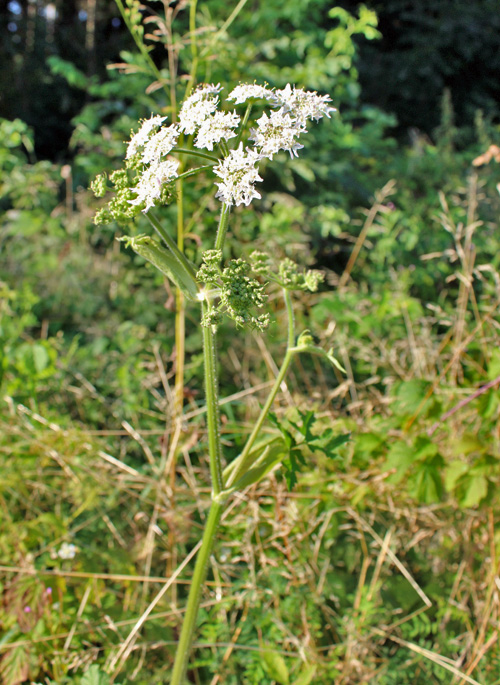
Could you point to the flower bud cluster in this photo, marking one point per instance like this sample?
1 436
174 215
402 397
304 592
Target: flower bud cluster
289 275
121 207
238 293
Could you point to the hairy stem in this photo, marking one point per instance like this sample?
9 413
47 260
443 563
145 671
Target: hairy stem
223 224
180 325
244 460
212 399
193 603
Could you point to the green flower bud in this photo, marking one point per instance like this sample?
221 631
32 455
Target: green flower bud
120 179
99 185
102 216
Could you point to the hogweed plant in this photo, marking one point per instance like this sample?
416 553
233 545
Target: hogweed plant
230 147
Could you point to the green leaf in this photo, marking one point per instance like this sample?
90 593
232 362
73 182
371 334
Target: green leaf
410 397
94 676
328 443
14 666
428 484
61 67
164 261
306 675
424 448
276 667
476 491
325 442
400 457
270 457
454 471
40 357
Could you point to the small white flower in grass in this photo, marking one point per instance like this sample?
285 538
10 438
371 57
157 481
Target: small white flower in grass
153 181
277 132
140 138
238 174
245 92
160 144
303 105
66 551
215 128
197 107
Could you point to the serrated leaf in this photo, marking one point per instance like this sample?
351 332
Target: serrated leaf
329 445
276 667
292 467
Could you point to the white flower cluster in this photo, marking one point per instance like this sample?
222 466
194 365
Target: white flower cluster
153 181
199 116
238 174
245 92
160 144
155 146
278 131
215 128
198 106
142 136
303 105
275 133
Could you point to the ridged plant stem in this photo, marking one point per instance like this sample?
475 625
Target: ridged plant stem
222 229
193 603
180 325
212 400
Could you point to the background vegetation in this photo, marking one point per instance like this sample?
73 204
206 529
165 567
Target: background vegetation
380 567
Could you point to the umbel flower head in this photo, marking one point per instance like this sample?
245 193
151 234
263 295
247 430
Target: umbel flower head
235 153
238 174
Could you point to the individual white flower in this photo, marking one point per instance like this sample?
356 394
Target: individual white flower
277 132
198 106
140 138
302 104
66 551
160 144
246 91
216 127
152 182
238 174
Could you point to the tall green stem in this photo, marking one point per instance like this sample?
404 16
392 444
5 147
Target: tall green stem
245 457
179 311
212 399
193 603
223 224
